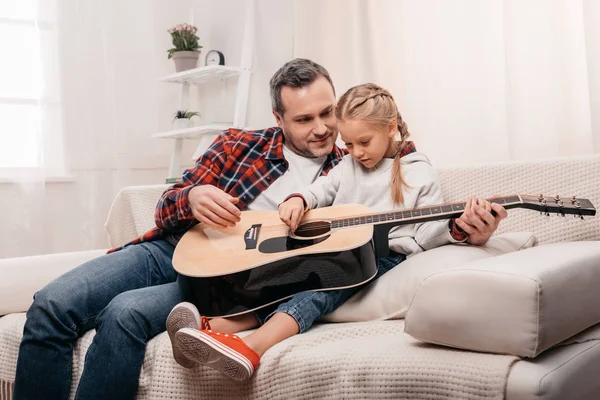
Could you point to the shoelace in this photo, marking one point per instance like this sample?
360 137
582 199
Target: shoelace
204 323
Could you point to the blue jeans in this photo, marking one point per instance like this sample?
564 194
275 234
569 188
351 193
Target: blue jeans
126 296
307 307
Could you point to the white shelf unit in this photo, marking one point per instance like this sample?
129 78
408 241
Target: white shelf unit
194 132
201 75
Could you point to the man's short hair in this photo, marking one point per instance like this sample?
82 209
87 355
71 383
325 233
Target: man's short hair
297 73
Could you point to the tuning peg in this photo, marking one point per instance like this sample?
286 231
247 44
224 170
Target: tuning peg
557 198
573 199
541 197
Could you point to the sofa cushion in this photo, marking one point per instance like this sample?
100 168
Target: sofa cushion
520 303
389 296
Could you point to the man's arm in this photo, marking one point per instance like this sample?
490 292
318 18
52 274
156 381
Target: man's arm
174 211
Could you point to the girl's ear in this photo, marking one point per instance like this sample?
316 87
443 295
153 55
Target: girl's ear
392 128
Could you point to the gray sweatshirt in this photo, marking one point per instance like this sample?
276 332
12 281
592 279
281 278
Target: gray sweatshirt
350 183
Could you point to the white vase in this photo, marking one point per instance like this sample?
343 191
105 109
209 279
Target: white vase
182 123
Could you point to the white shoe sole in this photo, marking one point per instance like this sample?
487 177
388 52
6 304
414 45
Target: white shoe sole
202 348
183 315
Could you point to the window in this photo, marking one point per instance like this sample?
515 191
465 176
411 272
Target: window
30 115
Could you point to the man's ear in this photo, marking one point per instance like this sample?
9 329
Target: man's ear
278 119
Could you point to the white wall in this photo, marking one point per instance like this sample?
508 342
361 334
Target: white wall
455 70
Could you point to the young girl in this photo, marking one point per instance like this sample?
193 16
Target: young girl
381 172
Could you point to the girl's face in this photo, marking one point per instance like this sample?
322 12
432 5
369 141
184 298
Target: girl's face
368 142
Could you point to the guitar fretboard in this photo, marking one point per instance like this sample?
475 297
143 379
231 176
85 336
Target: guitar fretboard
418 213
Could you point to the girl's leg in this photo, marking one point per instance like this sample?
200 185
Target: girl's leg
301 311
238 358
278 328
234 324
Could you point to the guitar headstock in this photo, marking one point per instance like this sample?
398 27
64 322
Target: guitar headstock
568 205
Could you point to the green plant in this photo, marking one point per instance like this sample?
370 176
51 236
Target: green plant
180 114
184 38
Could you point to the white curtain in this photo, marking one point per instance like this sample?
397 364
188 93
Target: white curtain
89 85
476 81
31 149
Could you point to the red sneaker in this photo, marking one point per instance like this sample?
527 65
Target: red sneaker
224 352
184 315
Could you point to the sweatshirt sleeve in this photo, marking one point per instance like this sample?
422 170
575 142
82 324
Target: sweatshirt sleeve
433 234
322 192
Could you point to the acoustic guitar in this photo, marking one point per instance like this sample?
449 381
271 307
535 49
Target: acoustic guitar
259 262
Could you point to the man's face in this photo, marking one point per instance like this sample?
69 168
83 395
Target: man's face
308 123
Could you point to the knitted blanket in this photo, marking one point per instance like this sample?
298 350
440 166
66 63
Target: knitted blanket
331 361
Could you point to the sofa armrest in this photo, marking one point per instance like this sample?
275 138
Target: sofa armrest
520 303
132 213
22 277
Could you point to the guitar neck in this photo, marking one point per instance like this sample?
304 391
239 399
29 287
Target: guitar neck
416 215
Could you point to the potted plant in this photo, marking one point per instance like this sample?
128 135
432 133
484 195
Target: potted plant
182 119
187 50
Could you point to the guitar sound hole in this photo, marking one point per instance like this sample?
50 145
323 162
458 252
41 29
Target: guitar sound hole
313 229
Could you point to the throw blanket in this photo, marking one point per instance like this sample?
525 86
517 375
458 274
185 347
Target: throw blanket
333 361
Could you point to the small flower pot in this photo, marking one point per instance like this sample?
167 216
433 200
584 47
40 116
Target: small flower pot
185 60
182 123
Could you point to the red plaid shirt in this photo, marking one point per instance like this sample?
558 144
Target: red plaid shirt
243 164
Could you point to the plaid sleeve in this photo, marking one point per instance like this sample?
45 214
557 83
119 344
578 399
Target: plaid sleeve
173 212
456 232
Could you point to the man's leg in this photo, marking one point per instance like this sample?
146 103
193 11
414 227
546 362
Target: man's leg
114 359
68 307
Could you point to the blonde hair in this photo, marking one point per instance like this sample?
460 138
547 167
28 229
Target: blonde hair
373 104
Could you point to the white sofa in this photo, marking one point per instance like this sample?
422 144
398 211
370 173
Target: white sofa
360 359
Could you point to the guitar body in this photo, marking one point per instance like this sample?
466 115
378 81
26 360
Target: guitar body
258 263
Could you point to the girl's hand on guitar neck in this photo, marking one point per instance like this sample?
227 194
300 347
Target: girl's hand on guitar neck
291 212
213 207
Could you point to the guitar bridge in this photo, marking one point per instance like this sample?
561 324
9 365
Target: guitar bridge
251 236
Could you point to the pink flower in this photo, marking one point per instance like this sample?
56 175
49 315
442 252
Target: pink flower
183 27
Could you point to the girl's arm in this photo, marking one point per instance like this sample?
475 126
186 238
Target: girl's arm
435 233
322 192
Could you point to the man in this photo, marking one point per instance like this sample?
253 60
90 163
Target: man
127 295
